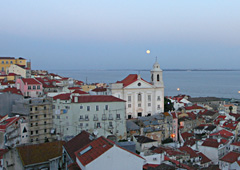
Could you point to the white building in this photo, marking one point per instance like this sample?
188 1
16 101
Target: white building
142 98
104 154
101 114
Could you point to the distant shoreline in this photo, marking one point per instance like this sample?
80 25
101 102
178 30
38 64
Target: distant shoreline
144 70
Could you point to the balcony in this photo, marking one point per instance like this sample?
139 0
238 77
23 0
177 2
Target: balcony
110 127
110 118
104 118
95 118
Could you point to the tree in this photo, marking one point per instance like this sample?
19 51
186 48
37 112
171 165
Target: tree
230 108
168 105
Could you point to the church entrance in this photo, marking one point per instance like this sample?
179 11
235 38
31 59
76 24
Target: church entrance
139 114
129 116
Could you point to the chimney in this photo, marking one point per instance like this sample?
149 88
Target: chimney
75 99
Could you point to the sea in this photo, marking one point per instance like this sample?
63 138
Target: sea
223 84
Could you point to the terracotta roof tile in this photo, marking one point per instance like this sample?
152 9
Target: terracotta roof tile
189 150
230 157
4 124
12 90
97 98
93 150
131 78
32 154
65 96
76 143
204 159
30 81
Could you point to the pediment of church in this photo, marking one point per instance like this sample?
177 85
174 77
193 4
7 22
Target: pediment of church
139 84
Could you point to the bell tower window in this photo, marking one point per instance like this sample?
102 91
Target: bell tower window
158 77
152 77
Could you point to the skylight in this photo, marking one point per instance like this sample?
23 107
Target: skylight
85 150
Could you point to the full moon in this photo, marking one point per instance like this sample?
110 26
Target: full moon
148 51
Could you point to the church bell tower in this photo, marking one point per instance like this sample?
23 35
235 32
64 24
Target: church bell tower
156 75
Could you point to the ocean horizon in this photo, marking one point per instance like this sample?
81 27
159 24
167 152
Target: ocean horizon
224 83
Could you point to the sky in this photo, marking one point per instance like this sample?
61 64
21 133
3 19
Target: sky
107 34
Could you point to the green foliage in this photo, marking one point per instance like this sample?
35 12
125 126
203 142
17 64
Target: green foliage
168 140
230 108
168 105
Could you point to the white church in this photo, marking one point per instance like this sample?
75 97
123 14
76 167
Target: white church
142 98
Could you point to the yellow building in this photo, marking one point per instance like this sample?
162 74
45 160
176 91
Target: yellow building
5 62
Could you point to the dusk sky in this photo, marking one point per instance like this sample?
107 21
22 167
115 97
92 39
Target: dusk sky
109 34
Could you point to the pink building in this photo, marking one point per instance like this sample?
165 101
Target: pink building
29 87
174 135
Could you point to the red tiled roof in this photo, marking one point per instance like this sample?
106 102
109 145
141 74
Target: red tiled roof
224 133
190 142
73 166
230 157
189 150
12 74
2 152
236 143
100 89
76 143
97 148
97 98
192 115
65 96
4 124
212 143
186 135
204 159
30 81
74 88
131 78
79 92
194 107
12 90
174 115
38 153
230 124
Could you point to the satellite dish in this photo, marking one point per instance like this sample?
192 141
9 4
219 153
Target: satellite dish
95 132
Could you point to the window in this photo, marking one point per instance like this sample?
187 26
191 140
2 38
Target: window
104 117
45 122
36 116
45 115
88 108
34 87
86 117
6 62
31 117
149 98
149 104
139 105
110 124
36 108
2 68
2 62
31 140
58 117
11 62
110 117
95 117
31 124
45 108
97 108
30 109
118 116
81 107
29 88
36 124
158 98
106 107
129 105
158 77
86 124
81 125
81 117
139 97
98 125
129 98
45 130
36 131
31 132
158 107
38 87
36 139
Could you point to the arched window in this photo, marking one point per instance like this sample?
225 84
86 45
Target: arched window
158 77
139 97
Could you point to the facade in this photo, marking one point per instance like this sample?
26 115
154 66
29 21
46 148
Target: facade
6 62
30 87
39 114
104 154
16 69
103 115
142 98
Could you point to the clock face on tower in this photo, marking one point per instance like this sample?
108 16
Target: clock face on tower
139 84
